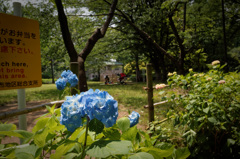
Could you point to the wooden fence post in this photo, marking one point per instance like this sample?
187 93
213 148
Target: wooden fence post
150 93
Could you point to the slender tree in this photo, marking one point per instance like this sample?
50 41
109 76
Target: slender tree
81 57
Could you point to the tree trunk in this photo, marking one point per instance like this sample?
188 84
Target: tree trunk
82 82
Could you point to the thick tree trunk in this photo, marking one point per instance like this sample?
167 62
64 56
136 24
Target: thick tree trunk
82 83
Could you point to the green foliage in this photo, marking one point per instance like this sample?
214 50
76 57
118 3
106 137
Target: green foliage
119 141
208 112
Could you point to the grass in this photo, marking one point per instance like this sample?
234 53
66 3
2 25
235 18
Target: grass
45 92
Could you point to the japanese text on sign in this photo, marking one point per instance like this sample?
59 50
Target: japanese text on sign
20 57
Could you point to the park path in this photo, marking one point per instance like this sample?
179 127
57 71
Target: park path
34 115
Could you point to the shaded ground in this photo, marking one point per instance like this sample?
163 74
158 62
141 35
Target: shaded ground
34 115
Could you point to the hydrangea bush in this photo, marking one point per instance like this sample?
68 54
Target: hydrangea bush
208 112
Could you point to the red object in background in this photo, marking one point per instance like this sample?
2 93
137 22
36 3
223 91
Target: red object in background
122 75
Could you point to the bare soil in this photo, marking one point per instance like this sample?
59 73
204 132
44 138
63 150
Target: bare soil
34 115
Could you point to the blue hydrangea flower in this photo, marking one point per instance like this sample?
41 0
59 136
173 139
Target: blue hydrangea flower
61 83
72 113
134 118
67 73
67 77
94 104
73 80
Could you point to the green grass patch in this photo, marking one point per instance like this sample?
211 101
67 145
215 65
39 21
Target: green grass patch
45 92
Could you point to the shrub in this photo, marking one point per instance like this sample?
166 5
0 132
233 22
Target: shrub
209 111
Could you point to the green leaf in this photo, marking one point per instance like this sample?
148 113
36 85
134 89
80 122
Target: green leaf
24 133
11 133
141 155
106 148
24 155
52 123
71 155
158 153
189 106
161 92
40 124
77 133
206 110
123 123
112 133
7 127
130 134
230 142
227 90
96 126
181 153
40 137
62 150
212 120
31 149
52 109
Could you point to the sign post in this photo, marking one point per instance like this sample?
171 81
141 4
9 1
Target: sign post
20 56
17 11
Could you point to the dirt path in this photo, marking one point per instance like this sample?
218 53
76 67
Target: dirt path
34 115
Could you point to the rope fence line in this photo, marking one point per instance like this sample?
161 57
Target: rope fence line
29 109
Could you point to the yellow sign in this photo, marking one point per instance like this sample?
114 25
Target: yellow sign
20 55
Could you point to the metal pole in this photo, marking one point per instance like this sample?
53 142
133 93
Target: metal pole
150 93
17 11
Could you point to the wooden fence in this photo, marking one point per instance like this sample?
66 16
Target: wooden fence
29 109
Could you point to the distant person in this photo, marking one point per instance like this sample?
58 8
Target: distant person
121 79
106 79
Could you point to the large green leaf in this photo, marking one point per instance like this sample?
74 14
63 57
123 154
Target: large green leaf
123 123
24 133
40 137
7 127
62 150
106 148
181 153
11 133
112 133
130 134
30 150
158 153
96 126
141 155
24 155
77 133
40 124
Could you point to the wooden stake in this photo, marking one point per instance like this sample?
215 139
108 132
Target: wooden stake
150 93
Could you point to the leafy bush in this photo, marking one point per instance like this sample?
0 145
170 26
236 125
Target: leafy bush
209 112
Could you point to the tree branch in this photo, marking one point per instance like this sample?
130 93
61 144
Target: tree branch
65 32
146 37
99 33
